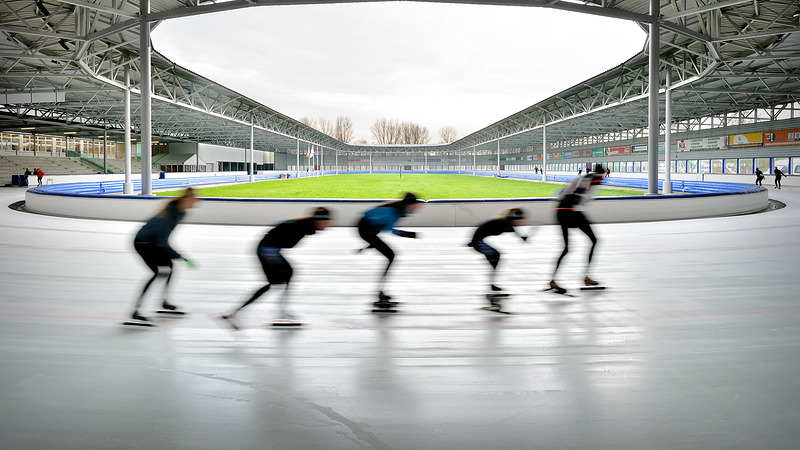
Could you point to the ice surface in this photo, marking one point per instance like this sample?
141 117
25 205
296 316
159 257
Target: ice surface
695 343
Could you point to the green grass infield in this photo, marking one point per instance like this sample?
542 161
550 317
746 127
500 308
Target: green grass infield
391 186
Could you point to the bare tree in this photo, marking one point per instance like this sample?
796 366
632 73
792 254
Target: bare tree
360 141
385 131
326 126
413 133
448 134
344 129
309 122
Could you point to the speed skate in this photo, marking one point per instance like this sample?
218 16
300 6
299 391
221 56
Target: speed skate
385 307
286 323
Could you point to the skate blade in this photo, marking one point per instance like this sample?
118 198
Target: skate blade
563 294
500 295
592 288
285 323
495 310
171 312
384 310
138 323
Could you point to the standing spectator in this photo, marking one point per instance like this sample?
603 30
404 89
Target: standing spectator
778 176
28 172
759 176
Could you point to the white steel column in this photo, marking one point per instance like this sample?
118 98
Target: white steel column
474 158
544 153
426 163
459 162
337 162
297 167
653 85
127 188
667 189
146 127
321 161
105 146
498 156
252 152
370 162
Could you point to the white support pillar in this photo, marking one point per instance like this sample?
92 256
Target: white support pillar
127 188
426 163
297 167
667 189
145 69
459 162
105 146
498 156
321 161
337 162
370 162
474 159
653 86
252 151
544 153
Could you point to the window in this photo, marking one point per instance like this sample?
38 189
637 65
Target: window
795 166
692 166
704 166
781 163
716 166
681 166
746 166
763 164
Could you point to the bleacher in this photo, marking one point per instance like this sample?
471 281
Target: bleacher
54 165
16 165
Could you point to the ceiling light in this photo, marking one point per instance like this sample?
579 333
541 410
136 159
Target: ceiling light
28 128
70 132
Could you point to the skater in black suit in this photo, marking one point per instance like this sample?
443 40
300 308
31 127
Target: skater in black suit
152 244
276 268
759 176
510 219
569 215
778 176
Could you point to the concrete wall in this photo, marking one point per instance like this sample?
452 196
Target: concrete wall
435 213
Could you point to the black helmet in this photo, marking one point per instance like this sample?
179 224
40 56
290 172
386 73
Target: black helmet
515 214
321 214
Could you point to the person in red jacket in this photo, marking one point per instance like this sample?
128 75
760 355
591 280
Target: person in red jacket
39 175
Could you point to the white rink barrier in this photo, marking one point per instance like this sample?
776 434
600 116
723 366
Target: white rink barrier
445 213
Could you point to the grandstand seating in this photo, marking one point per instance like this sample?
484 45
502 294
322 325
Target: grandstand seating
16 165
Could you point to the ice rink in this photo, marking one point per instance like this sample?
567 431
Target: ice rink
694 345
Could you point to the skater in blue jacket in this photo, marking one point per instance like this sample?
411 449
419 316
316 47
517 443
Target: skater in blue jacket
384 218
152 244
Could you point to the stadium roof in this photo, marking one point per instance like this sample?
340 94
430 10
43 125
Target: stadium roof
63 65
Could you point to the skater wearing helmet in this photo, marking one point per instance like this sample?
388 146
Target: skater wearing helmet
278 271
507 223
569 214
152 244
384 218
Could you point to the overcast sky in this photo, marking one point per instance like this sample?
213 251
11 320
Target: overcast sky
465 66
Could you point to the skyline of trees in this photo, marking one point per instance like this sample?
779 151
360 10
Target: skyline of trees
384 131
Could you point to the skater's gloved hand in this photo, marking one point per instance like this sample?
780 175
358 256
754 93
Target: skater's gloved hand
189 263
